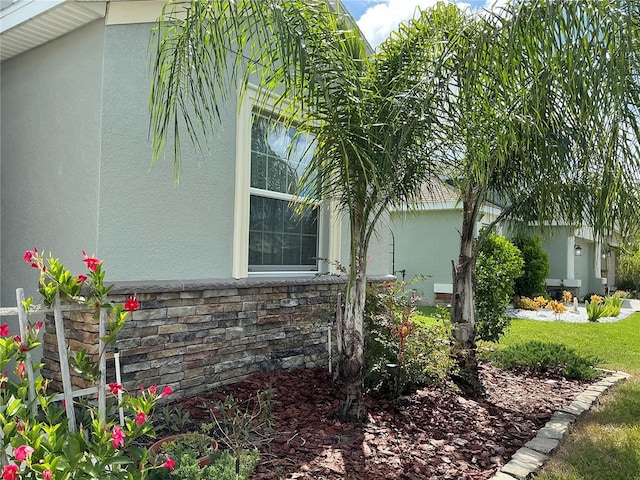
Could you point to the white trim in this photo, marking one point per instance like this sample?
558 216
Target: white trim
125 13
21 12
570 268
240 255
335 237
243 190
448 205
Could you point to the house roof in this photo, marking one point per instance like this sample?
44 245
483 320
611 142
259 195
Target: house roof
26 24
438 192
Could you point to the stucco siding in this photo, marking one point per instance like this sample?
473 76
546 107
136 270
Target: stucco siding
149 228
556 247
50 128
425 244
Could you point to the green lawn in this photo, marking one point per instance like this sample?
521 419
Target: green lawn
616 344
605 443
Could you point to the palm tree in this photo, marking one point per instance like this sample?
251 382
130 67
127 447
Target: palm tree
312 59
537 111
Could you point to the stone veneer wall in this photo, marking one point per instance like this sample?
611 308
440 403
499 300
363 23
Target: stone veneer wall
195 336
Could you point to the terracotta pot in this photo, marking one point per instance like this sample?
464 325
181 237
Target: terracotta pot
156 448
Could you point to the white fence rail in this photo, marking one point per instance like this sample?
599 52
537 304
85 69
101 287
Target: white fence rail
68 394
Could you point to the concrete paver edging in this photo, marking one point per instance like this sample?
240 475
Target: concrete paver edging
528 459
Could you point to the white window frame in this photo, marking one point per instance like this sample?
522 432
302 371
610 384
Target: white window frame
329 232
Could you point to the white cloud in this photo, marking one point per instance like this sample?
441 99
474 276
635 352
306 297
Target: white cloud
381 19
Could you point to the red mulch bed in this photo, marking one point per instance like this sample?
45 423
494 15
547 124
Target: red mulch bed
432 434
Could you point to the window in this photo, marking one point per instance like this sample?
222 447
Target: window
280 238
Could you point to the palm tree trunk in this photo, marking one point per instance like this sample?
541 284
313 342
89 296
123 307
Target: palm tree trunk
463 303
350 382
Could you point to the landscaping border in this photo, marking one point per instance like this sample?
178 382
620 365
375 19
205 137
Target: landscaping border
535 453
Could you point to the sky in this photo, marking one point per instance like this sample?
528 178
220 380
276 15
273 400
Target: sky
377 18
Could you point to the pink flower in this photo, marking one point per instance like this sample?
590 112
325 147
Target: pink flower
47 475
92 262
20 370
4 330
22 452
166 392
81 278
131 304
152 389
38 326
117 437
170 464
30 256
17 339
115 388
141 417
9 472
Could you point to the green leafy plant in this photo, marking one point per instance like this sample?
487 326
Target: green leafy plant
400 352
535 270
37 441
174 419
541 357
224 466
629 265
193 444
499 264
239 424
600 307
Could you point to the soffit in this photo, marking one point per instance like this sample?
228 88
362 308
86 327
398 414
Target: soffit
27 24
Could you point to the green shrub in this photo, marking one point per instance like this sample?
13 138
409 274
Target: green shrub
394 364
222 467
536 268
629 266
541 357
499 264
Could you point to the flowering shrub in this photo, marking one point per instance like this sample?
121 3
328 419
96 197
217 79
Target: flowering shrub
566 296
37 441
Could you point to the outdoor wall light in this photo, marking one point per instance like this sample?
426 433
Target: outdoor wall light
578 250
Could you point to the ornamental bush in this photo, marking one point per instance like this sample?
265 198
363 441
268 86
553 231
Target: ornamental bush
402 353
499 264
37 441
543 357
536 268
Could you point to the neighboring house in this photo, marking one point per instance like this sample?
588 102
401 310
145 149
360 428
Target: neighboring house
427 241
75 163
579 262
